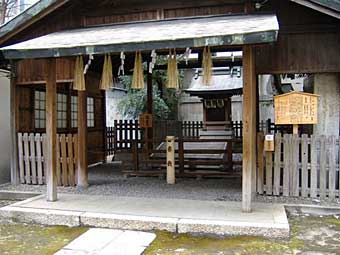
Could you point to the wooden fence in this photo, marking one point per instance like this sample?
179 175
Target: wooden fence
32 151
300 166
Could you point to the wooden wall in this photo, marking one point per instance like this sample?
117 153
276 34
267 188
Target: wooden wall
308 42
31 77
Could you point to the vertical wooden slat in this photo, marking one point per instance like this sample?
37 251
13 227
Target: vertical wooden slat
286 166
43 144
39 159
58 169
249 128
21 158
51 130
130 133
277 163
126 134
27 159
115 135
33 159
314 171
269 172
260 162
323 173
75 145
304 165
120 134
64 160
70 160
332 170
295 166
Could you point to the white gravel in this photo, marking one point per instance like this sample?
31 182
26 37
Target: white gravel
107 180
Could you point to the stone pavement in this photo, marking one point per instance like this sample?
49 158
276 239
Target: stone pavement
99 241
148 214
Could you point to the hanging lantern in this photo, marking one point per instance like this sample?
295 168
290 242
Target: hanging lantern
138 74
79 78
172 77
207 66
107 77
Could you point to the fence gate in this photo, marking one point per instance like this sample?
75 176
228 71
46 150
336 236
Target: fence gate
300 166
32 161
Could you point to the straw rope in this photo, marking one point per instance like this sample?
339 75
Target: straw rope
79 77
106 81
207 66
172 76
138 73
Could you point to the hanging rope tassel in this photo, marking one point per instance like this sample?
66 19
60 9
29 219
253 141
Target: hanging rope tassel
138 74
207 66
172 75
106 81
79 78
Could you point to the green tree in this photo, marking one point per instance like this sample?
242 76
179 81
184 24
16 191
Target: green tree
165 101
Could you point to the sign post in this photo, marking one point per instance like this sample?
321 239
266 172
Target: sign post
296 108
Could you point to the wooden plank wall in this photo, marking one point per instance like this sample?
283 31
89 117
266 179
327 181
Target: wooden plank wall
32 159
32 76
300 166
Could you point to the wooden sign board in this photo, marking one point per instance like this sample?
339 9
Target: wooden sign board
296 108
145 120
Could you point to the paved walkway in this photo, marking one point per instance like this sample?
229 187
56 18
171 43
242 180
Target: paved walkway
99 241
131 213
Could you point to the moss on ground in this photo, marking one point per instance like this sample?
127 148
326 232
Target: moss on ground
35 240
304 232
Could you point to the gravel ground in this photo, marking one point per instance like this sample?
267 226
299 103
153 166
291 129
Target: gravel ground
107 180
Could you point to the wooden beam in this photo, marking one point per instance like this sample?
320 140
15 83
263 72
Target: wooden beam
51 130
82 173
13 126
249 127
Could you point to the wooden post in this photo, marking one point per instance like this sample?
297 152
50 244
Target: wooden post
295 129
82 140
51 130
170 159
249 127
13 125
149 131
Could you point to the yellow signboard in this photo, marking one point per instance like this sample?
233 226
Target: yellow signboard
296 108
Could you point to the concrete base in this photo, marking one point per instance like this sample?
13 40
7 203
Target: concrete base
174 215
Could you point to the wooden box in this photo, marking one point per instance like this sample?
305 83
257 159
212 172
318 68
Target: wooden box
296 108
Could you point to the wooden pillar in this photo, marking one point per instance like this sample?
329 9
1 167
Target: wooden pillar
13 126
82 171
249 127
149 107
51 130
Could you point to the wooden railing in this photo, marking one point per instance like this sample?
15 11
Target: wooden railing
121 135
32 158
193 157
300 166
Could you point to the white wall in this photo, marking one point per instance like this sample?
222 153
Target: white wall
5 136
112 99
328 87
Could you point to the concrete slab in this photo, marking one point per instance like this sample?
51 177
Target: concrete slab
175 215
109 242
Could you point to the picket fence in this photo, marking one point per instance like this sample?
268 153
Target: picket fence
32 163
300 166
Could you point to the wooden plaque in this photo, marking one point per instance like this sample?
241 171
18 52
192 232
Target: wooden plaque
296 108
146 120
